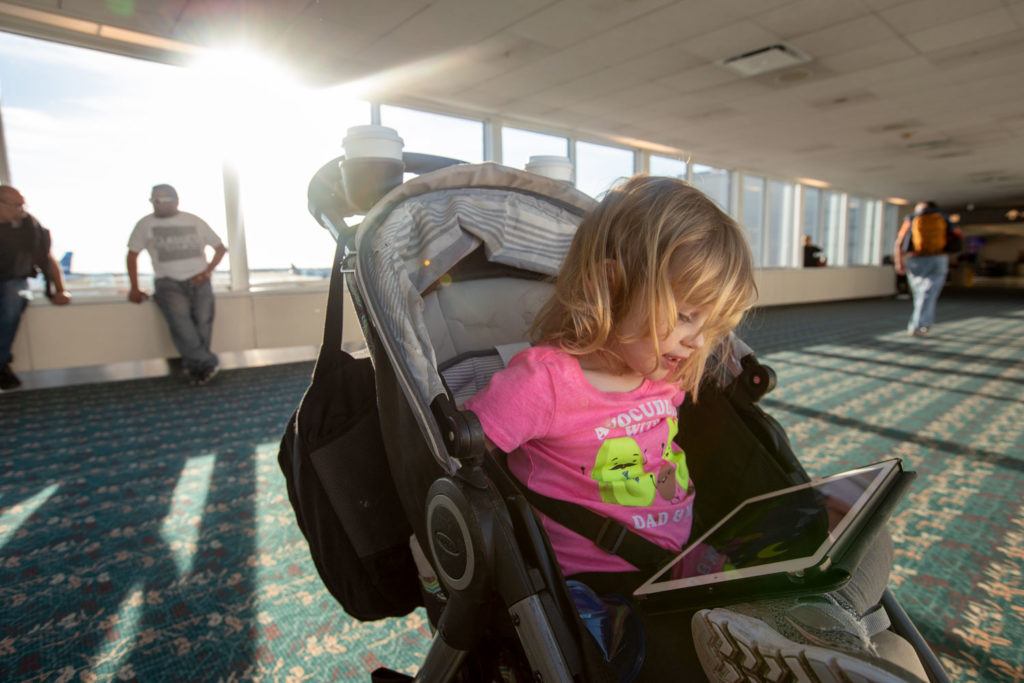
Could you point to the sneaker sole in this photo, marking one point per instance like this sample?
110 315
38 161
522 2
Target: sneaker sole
733 647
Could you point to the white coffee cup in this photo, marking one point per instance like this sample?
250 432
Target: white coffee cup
376 142
372 165
558 168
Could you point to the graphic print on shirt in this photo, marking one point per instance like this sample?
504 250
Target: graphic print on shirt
175 242
619 471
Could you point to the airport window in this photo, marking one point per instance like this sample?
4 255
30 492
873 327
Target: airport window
779 235
716 183
600 167
667 166
833 225
437 134
860 232
518 145
85 145
890 228
753 214
812 215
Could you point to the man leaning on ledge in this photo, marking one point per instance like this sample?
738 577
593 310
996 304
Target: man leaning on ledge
24 253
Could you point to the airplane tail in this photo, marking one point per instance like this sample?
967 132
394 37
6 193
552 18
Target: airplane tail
65 263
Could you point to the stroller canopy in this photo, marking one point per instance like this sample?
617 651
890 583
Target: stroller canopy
419 231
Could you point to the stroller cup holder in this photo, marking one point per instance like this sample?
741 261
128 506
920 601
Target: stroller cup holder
335 194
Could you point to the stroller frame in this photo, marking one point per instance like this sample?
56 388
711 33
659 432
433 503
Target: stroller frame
485 541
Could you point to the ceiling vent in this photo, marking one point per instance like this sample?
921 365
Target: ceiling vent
763 60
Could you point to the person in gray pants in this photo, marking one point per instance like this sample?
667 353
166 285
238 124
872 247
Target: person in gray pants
176 242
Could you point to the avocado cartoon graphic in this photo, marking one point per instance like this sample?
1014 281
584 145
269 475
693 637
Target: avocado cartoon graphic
619 471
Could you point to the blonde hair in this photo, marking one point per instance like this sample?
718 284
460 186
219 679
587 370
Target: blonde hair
650 241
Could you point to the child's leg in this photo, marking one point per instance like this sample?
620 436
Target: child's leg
865 588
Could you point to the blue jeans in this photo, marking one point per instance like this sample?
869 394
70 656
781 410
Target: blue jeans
14 297
188 310
926 276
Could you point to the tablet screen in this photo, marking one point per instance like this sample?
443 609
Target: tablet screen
785 531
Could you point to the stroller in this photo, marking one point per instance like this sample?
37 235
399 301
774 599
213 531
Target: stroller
450 268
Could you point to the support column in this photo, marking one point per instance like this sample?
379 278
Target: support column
238 257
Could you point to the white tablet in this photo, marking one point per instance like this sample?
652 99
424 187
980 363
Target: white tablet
792 532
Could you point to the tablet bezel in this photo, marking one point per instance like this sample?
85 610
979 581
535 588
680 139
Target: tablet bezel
886 472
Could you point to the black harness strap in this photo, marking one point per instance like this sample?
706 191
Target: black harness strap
606 533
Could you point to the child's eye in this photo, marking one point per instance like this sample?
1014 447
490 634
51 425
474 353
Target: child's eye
684 318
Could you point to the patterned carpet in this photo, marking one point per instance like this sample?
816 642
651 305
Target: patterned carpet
145 533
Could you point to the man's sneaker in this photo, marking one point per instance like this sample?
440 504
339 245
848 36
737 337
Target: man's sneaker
8 380
204 376
811 639
919 332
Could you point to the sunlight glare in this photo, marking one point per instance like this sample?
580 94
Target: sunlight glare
250 94
180 528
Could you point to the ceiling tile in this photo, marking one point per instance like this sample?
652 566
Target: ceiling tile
879 5
486 60
920 15
981 26
844 36
869 56
698 78
737 39
807 16
568 22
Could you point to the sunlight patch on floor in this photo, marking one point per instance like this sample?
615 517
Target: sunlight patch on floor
181 526
13 517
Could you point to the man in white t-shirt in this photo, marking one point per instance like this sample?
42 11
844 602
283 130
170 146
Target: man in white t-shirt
177 243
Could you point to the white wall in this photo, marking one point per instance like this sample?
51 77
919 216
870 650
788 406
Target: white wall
782 286
102 330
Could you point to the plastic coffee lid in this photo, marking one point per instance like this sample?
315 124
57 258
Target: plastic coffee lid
372 141
559 168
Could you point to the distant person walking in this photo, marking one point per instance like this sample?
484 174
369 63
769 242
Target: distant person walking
814 257
177 243
24 252
920 253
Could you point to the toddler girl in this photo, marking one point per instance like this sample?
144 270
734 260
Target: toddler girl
655 278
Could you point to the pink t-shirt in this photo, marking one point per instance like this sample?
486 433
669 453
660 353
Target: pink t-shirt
611 452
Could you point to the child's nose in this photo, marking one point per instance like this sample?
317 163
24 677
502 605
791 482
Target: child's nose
696 341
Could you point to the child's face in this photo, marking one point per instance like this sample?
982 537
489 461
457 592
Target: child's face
674 348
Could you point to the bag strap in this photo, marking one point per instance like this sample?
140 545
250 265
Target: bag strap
606 533
335 314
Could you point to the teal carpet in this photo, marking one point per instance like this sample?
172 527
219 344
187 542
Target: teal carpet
145 533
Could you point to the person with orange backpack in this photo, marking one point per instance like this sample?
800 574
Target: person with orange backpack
921 247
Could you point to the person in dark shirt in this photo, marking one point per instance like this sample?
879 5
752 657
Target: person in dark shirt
24 252
814 257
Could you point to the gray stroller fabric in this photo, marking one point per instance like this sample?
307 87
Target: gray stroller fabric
420 230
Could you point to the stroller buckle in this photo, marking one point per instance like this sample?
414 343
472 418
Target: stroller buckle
610 542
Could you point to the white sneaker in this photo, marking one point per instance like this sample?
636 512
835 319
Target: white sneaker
812 639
